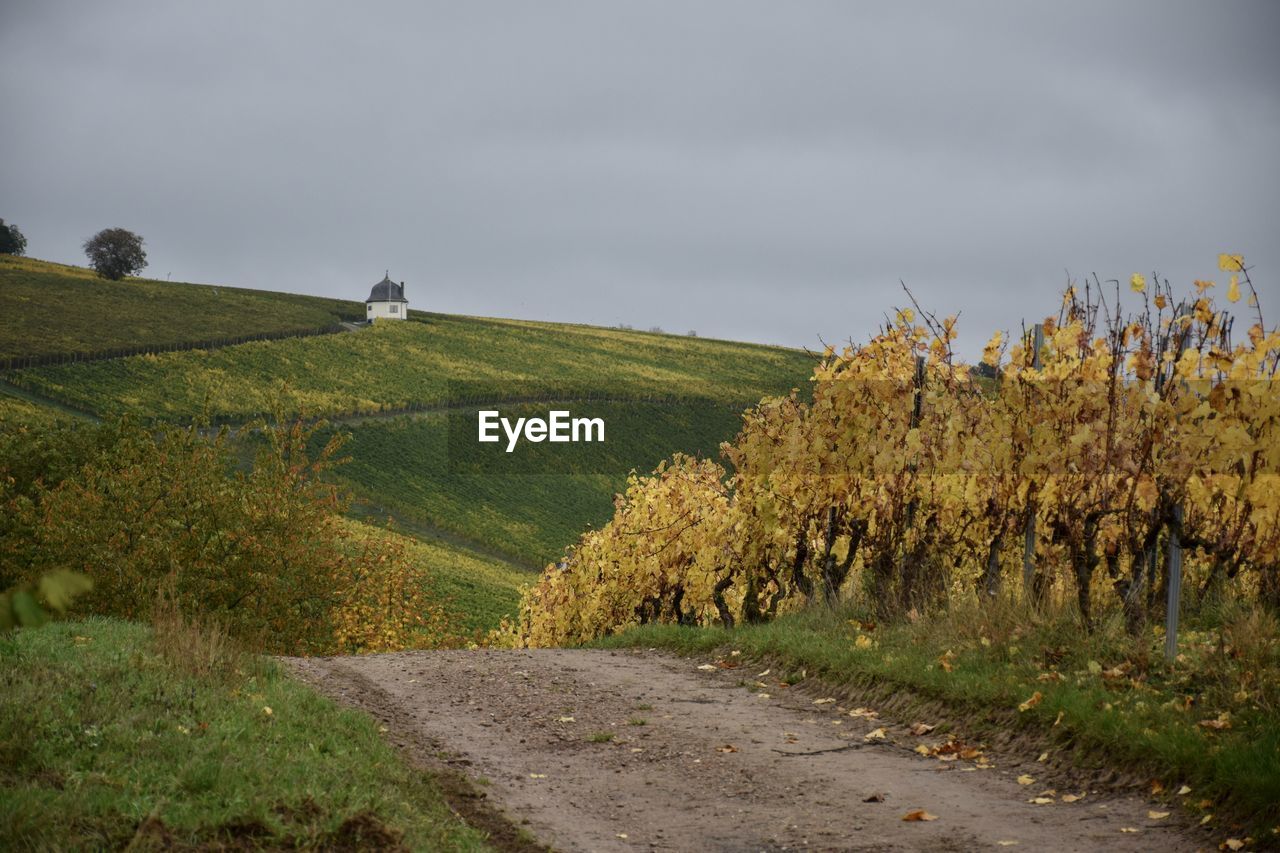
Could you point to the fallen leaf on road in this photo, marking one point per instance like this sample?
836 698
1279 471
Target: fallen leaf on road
622 835
728 747
1044 756
763 674
863 712
918 814
1025 780
874 798
1154 815
1072 798
1032 702
823 701
1206 819
764 695
537 775
1041 801
707 667
566 720
1184 790
1127 829
953 749
1007 843
919 729
924 749
874 734
727 664
1231 844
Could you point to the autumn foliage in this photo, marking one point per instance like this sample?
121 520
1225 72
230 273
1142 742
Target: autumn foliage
260 546
910 477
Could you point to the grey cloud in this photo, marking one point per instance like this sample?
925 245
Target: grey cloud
756 170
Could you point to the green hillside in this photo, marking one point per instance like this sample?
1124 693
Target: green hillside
657 393
533 502
48 309
420 363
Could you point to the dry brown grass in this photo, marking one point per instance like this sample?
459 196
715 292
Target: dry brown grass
199 645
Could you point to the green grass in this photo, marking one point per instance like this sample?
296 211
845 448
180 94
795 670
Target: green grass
48 308
1147 720
17 413
421 363
99 732
478 590
533 502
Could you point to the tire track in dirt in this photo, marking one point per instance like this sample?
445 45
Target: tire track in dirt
602 751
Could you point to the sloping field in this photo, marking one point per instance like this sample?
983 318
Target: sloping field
531 503
424 362
658 393
48 309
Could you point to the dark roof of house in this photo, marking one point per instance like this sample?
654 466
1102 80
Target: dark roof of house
387 291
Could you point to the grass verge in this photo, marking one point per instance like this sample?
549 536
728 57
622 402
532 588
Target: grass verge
115 735
1210 721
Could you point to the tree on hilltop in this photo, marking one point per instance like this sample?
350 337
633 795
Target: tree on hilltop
11 240
115 253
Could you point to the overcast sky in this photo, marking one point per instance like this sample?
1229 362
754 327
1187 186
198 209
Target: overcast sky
764 171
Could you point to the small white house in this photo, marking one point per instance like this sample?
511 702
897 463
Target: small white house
386 301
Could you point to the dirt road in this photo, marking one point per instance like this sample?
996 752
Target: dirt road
598 750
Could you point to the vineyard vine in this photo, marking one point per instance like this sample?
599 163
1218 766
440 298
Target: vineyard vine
1096 437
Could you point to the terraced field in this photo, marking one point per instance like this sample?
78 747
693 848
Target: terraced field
419 363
